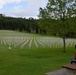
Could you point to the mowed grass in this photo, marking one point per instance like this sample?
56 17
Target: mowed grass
36 61
30 61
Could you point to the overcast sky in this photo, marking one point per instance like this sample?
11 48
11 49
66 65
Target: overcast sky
21 8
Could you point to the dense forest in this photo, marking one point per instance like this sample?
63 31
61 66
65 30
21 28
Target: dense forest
30 25
21 24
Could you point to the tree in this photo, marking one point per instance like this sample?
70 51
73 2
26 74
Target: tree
56 15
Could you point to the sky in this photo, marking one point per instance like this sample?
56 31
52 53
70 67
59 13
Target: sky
21 8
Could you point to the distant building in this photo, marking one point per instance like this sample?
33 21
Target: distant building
2 15
31 18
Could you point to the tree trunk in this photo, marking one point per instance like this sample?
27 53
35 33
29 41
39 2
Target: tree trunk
64 45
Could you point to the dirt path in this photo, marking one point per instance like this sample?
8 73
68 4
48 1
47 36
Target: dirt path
57 72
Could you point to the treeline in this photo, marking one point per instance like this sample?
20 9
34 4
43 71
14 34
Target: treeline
55 28
31 25
21 24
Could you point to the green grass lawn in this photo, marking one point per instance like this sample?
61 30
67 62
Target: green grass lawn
35 61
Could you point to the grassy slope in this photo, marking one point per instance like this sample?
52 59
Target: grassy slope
31 61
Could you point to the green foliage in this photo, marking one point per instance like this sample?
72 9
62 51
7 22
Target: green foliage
57 16
20 24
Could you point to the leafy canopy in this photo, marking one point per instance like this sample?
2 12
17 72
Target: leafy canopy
56 16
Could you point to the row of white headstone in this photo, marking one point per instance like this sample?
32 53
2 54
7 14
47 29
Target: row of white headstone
43 41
